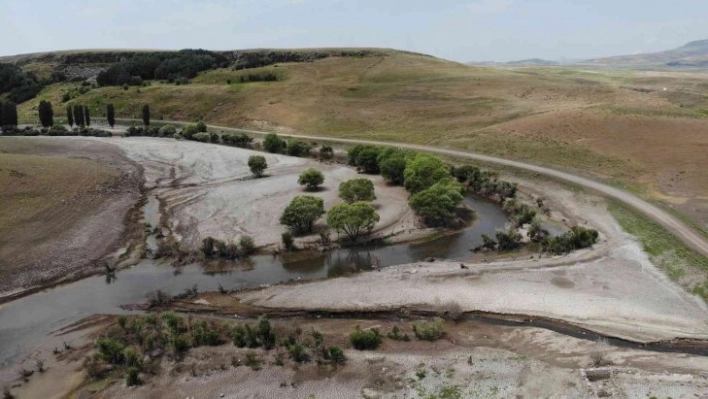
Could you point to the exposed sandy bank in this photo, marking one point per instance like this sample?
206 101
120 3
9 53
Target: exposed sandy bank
208 189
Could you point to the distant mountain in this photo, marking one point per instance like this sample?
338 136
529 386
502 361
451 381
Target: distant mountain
521 63
691 55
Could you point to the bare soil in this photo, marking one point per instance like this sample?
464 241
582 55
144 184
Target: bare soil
66 203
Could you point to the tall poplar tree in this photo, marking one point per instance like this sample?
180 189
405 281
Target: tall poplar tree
111 115
146 115
69 116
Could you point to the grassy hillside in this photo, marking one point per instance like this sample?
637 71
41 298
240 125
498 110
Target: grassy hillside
645 130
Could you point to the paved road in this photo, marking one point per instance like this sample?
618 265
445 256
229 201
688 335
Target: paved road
686 233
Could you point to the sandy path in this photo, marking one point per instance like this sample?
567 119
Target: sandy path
684 232
208 189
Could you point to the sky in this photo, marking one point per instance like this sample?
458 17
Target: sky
460 30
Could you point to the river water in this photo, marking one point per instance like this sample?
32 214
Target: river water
25 321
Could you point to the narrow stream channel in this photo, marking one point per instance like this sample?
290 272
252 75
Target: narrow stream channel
25 321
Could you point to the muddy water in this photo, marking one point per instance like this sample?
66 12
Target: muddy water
24 322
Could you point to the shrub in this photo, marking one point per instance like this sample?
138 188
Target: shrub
311 178
189 131
336 355
356 190
248 246
204 334
395 334
274 144
208 247
258 164
298 354
288 241
204 137
508 240
301 213
537 233
326 152
429 330
132 376
110 350
238 335
577 238
201 127
392 169
298 148
365 340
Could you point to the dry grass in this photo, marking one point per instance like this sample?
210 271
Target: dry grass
614 125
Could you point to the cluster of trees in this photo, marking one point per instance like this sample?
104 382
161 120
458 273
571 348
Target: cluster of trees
8 115
355 217
170 66
247 59
152 131
19 86
78 115
435 193
484 183
258 77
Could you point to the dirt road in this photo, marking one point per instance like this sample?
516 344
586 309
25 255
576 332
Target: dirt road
684 232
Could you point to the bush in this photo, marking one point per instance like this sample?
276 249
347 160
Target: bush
204 334
311 178
365 340
288 241
207 248
429 330
258 164
508 240
248 246
298 148
395 334
167 131
392 169
336 355
301 213
274 144
356 190
298 353
326 152
203 137
110 350
437 204
189 131
577 238
132 376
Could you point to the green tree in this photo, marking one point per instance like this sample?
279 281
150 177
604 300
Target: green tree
392 163
258 164
437 204
69 116
146 115
46 113
536 232
302 213
87 116
201 127
423 171
311 178
326 152
367 159
274 144
355 220
79 115
111 115
8 114
356 190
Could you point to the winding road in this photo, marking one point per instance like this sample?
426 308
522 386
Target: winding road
685 233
